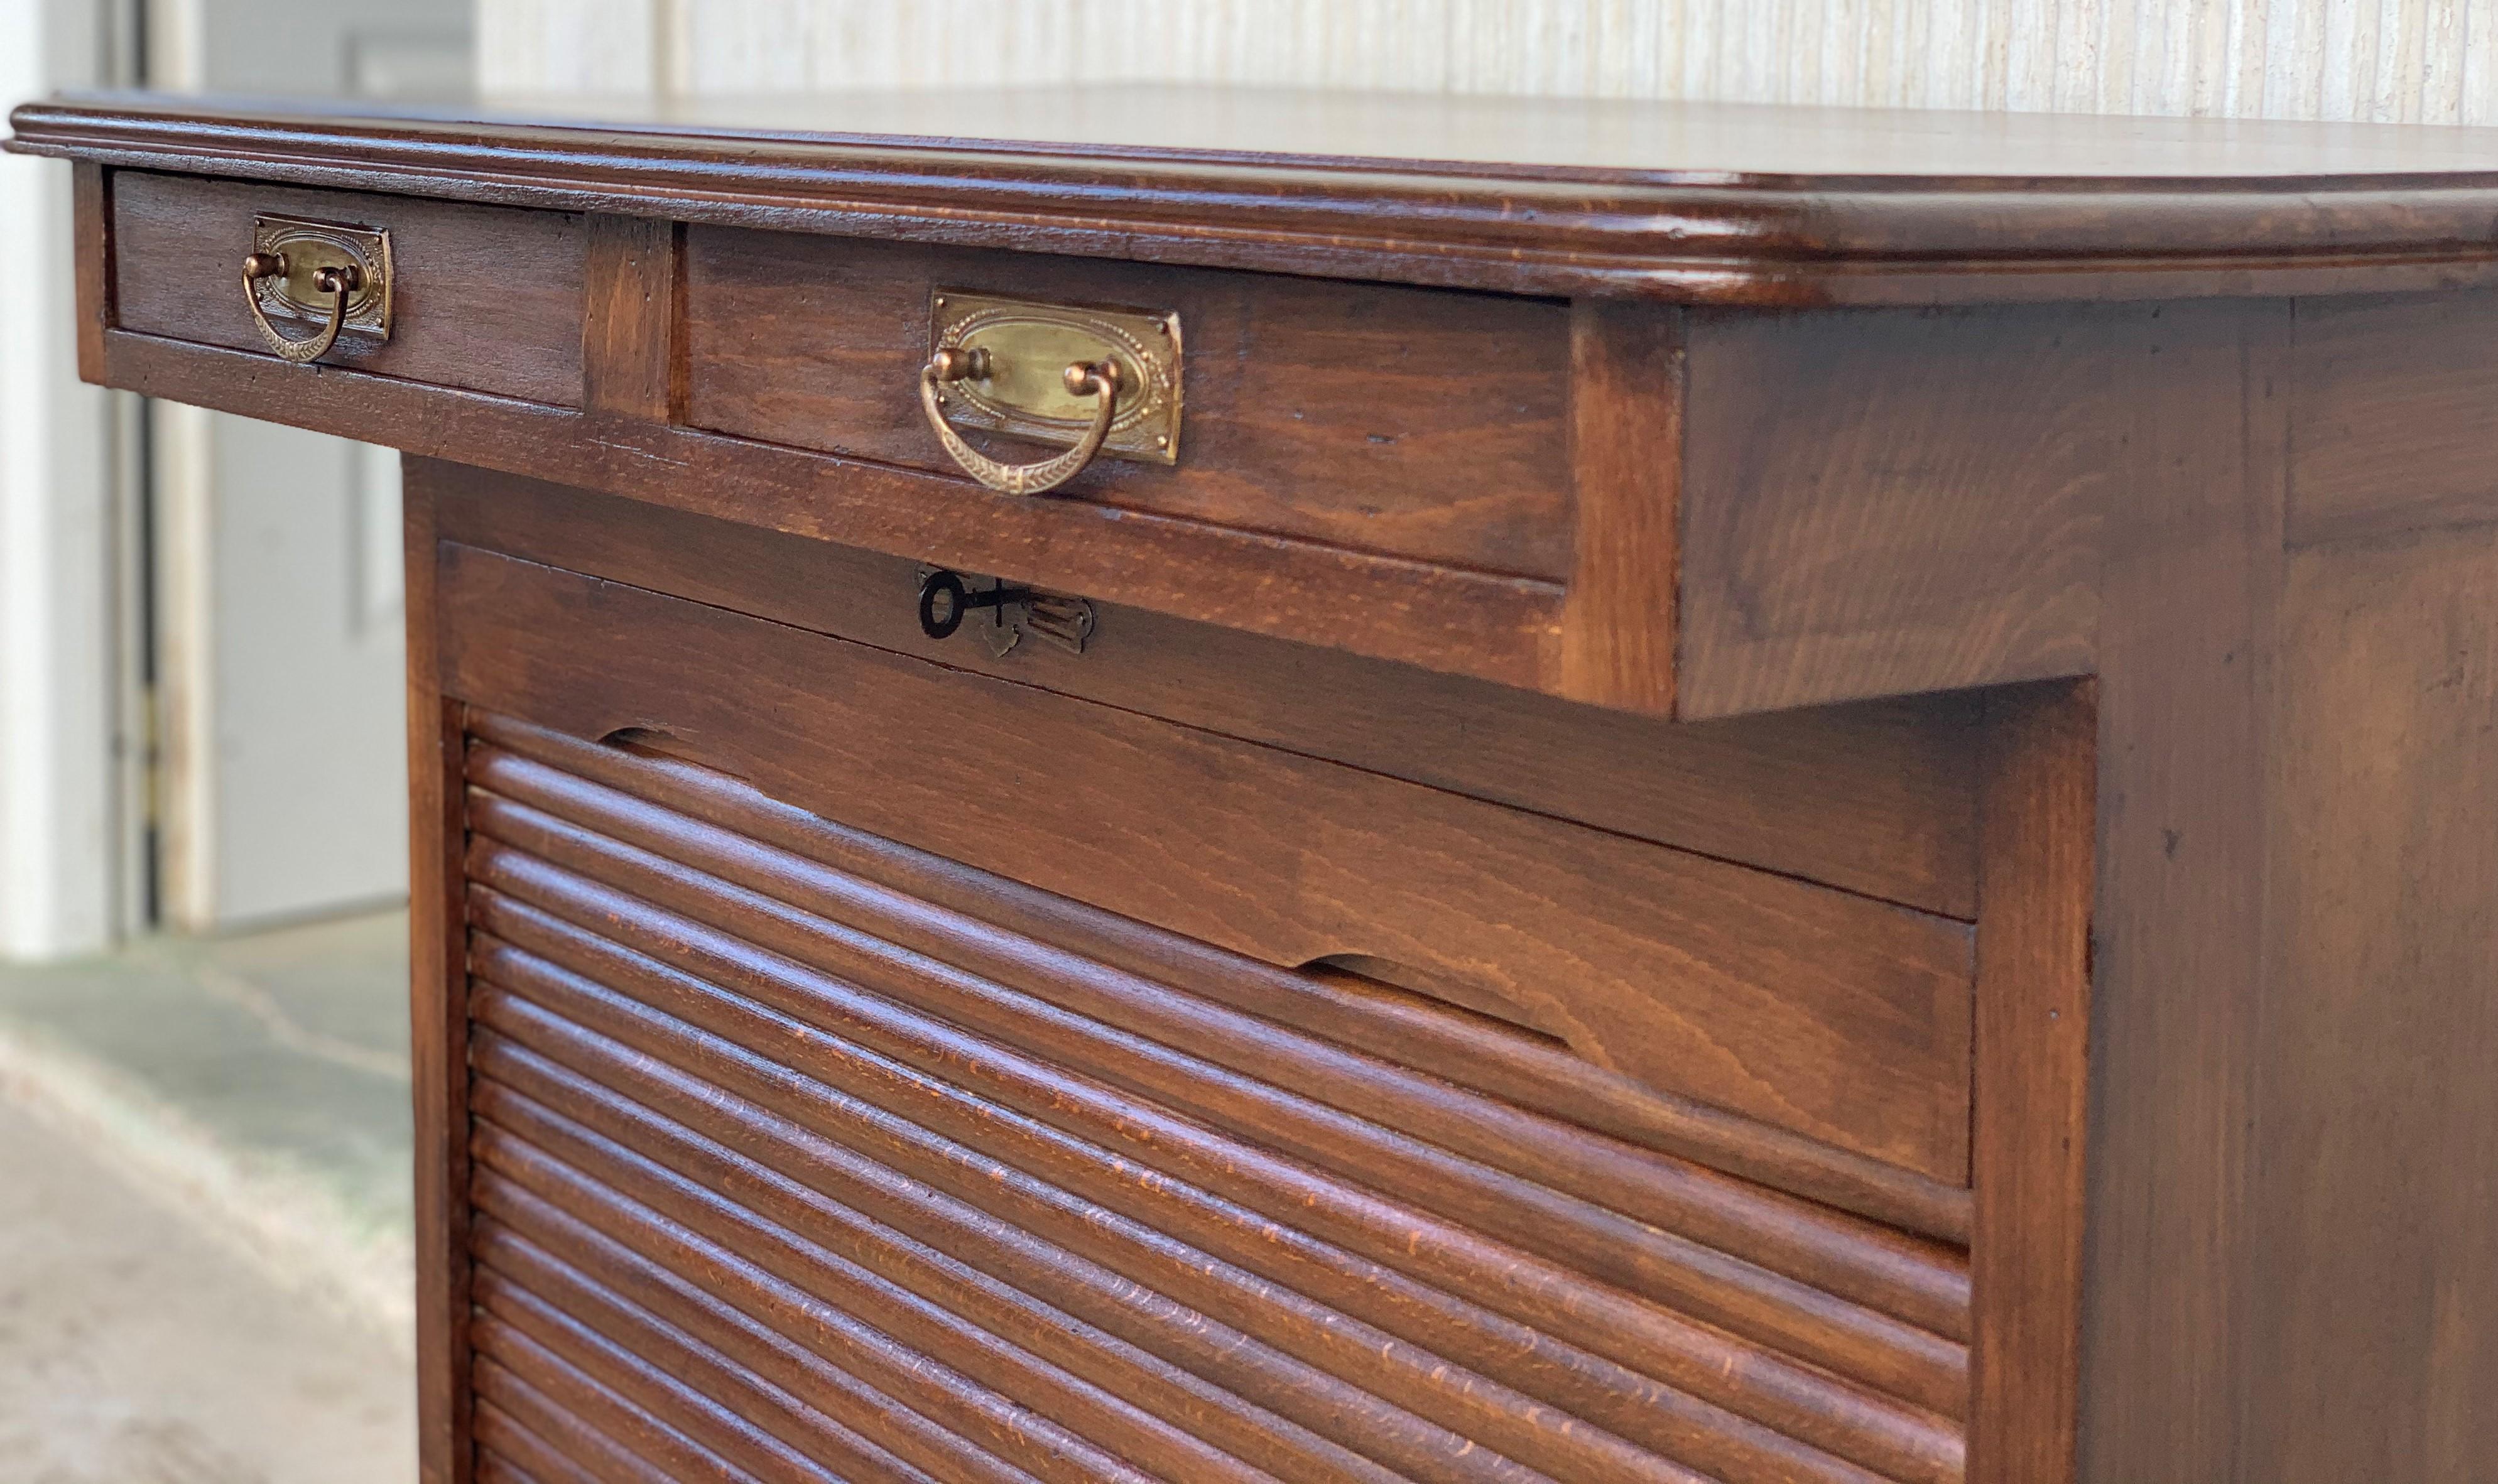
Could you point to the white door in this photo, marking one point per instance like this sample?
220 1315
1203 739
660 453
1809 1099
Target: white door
279 610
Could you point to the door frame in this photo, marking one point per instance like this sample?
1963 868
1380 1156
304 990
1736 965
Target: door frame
75 872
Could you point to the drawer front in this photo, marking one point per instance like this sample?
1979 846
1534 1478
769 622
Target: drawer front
797 1148
1478 485
1412 421
482 297
1880 799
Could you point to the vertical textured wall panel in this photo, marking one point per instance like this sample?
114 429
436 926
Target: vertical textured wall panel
575 47
2423 62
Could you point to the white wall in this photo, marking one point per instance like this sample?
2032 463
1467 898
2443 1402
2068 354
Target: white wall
59 666
2432 61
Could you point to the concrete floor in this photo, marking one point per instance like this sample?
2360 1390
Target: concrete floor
205 1237
136 1349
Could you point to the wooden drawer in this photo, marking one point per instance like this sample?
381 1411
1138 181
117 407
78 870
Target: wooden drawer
1412 421
1475 484
483 298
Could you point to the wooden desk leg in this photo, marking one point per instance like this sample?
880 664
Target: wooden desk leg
2028 1150
2372 1302
2292 1268
438 983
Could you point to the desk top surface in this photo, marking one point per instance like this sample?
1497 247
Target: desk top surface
1694 201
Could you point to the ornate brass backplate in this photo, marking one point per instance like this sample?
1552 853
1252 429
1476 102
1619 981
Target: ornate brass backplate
310 246
1030 345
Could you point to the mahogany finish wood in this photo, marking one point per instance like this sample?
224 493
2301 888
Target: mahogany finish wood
1417 424
1360 1012
464 313
2384 425
1878 503
1837 1016
2178 950
1861 853
1697 202
91 256
1494 627
576 892
2383 892
1878 799
630 365
1619 623
2028 1156
438 1007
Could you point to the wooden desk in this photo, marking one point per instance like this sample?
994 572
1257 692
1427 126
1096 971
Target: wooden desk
1707 793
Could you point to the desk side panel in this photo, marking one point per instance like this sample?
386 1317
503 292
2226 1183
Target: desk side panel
2376 1260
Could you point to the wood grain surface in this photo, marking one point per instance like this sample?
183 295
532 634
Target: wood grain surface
1619 621
630 361
437 1007
1425 425
1378 1019
1878 799
529 805
2178 955
482 298
1293 1062
1879 502
725 1085
91 259
2028 1165
1476 623
1837 1017
1694 203
2388 428
2375 1269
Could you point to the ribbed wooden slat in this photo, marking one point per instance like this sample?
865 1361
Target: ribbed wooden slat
896 1051
493 1467
508 1450
1722 1443
995 1360
1787 1313
1425 1412
777 1330
1387 1023
1260 1409
663 1375
819 1139
1232 1068
1281 1315
1435 1413
617 1439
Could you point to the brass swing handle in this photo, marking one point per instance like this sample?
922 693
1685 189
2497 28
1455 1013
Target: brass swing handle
339 281
1098 379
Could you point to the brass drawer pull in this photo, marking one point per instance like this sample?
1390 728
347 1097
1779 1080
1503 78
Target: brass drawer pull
1099 380
339 282
333 275
1106 381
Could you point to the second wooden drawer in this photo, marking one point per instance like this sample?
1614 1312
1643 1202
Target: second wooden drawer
1404 421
